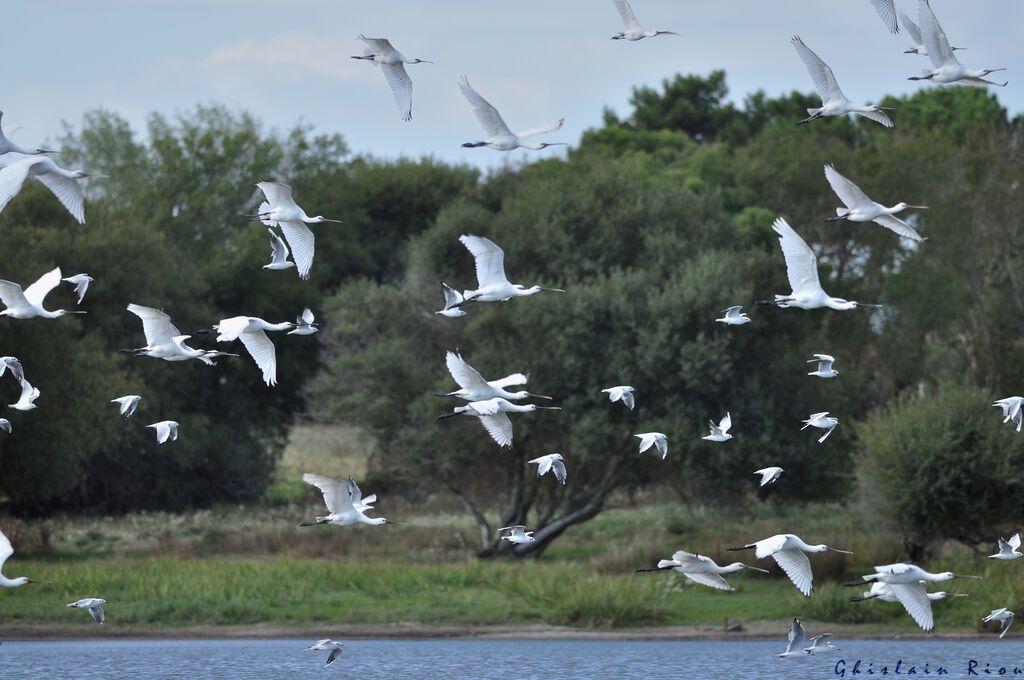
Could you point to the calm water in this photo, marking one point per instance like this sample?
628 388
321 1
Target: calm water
485 659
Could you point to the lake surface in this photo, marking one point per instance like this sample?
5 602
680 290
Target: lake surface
485 659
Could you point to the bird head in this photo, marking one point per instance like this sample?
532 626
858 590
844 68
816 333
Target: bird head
62 312
321 218
903 206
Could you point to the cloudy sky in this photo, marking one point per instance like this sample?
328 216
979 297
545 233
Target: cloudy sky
288 61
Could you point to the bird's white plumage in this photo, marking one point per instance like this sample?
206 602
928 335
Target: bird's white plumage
1008 550
824 369
649 439
81 284
488 258
165 429
303 244
887 11
518 534
12 364
127 403
344 501
623 393
382 53
499 426
733 316
801 262
251 331
452 302
552 461
720 432
28 303
833 101
278 253
35 293
769 474
474 387
499 136
914 599
947 68
5 425
796 640
626 12
1005 618
58 180
26 400
860 208
94 605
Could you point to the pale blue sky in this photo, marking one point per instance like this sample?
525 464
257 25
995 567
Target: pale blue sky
289 61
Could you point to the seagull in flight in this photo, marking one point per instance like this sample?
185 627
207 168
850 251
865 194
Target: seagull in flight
278 253
327 644
345 502
492 283
553 462
14 365
860 208
833 101
821 644
499 136
1005 618
28 303
128 404
392 62
733 316
1008 550
700 569
821 420
769 475
797 638
517 534
94 605
719 432
26 401
825 369
623 393
81 284
649 439
1011 409
305 323
634 31
165 429
453 300
5 425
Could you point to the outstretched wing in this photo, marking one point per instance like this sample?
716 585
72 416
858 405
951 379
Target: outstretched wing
489 259
933 37
263 353
401 86
551 127
897 225
801 262
915 33
915 600
331 488
626 12
797 567
821 75
42 287
488 116
887 11
278 249
465 375
302 243
559 468
277 194
706 579
848 192
13 176
499 427
156 325
510 380
67 192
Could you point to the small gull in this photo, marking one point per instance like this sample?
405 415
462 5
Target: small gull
324 645
518 534
553 462
623 393
128 404
165 429
720 432
94 605
649 439
769 474
825 369
81 284
734 317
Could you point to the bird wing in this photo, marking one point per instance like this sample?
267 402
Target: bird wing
559 468
801 262
706 579
628 399
230 329
821 75
510 380
67 192
499 427
333 656
156 325
13 176
887 10
1014 541
626 12
277 194
11 294
377 45
330 487
848 192
81 284
464 375
797 567
278 249
301 241
796 636
897 225
915 600
550 127
6 549
307 316
489 259
355 495
662 444
97 613
912 29
646 441
732 311
488 116
451 296
1005 625
42 287
877 116
543 465
994 614
766 474
726 423
263 353
933 37
19 374
401 86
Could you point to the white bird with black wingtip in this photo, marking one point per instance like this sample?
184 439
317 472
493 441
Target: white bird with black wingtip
657 439
1008 550
453 302
719 432
822 421
769 475
127 404
1003 616
278 253
94 605
325 645
733 316
623 393
553 462
824 369
305 323
165 429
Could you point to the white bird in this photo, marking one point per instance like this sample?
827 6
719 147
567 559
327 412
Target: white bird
1011 409
788 551
251 330
947 68
802 271
81 284
719 432
821 420
700 569
6 550
833 101
518 534
305 323
453 302
1008 550
164 341
281 210
28 395
887 11
883 592
860 208
492 283
278 252
473 386
821 644
94 605
649 439
128 404
797 637
734 317
824 369
7 146
14 365
907 582
61 182
392 63
915 35
345 502
1004 617
327 644
165 429
499 136
5 425
634 31
493 416
553 462
623 393
769 475
29 303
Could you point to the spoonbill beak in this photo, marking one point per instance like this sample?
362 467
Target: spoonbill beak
555 408
537 396
837 550
763 571
553 290
391 521
918 207
967 576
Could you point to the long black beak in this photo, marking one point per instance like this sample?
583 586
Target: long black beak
531 394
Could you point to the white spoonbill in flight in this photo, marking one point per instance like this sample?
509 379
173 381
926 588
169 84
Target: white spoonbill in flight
453 300
280 209
623 393
802 271
553 462
380 52
7 146
947 68
28 303
733 316
345 502
657 439
1008 550
165 429
94 605
60 181
305 323
473 387
788 551
634 31
127 404
164 341
278 253
26 401
823 421
700 569
517 534
81 284
883 592
493 415
833 101
720 432
499 136
324 645
6 550
1003 616
907 582
252 331
769 475
824 369
1011 410
887 11
492 283
915 35
860 208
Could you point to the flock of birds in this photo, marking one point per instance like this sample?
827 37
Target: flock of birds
491 401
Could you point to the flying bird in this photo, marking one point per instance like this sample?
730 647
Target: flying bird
165 429
305 324
769 475
634 31
453 301
94 605
6 550
345 502
252 331
492 283
473 386
823 421
7 146
28 303
281 210
517 534
821 644
649 439
493 415
887 11
324 645
128 404
553 462
907 583
27 398
499 137
81 284
824 369
63 183
623 393
833 101
883 592
947 68
719 432
278 253
1008 550
733 316
802 271
860 208
1011 409
797 638
165 341
1005 618
12 364
700 569
788 551
915 35
392 62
